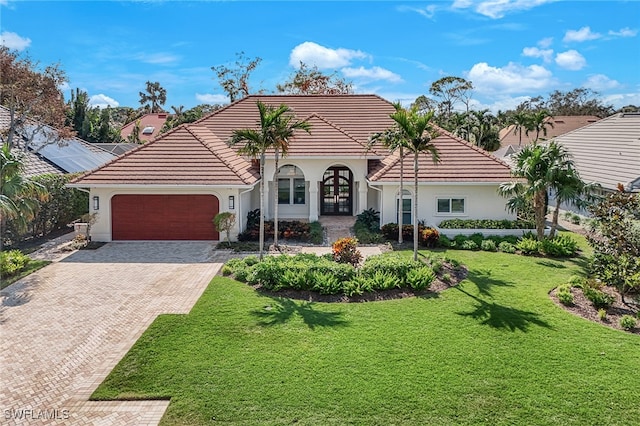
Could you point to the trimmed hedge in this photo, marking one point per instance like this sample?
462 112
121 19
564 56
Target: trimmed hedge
486 224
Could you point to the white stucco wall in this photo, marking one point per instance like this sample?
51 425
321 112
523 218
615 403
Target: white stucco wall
101 230
481 202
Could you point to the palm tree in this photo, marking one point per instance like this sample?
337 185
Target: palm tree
275 130
418 133
154 98
521 120
393 139
19 195
543 167
539 121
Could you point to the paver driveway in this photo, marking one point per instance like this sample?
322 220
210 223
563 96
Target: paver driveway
65 327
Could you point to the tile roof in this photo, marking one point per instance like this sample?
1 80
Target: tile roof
155 120
35 165
459 162
184 156
561 124
607 151
197 153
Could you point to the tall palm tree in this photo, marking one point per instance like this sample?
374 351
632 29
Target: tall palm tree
521 121
275 128
154 98
19 195
539 121
418 132
393 139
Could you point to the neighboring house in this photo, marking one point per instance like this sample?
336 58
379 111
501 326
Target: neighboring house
607 152
148 126
117 148
71 155
172 187
510 141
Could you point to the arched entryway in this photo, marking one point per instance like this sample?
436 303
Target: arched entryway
337 192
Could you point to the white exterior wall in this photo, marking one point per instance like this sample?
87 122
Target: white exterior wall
101 230
481 202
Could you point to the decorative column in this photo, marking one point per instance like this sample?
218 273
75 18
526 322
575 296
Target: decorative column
362 196
313 201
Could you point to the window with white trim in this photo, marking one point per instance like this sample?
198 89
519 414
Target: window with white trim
291 186
406 207
450 205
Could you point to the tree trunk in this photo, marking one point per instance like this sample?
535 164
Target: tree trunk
554 221
401 209
275 205
415 206
539 207
261 238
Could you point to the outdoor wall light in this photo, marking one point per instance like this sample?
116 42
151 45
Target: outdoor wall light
96 202
232 202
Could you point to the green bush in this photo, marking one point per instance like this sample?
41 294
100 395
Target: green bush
392 264
559 246
384 281
602 314
565 296
365 235
326 283
357 286
420 278
599 299
488 245
627 322
486 224
506 247
469 245
226 270
316 235
370 220
444 241
528 246
12 262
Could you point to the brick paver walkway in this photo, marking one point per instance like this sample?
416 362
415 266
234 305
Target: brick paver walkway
64 328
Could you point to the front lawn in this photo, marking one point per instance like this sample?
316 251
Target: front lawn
493 350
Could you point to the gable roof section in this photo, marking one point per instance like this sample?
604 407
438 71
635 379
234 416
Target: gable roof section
608 151
459 162
561 124
356 115
155 120
326 140
185 156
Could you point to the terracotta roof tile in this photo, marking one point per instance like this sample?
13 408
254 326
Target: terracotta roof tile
155 120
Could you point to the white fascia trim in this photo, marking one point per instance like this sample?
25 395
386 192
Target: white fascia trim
139 186
329 157
430 183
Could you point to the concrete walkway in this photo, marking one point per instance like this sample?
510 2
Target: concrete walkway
65 327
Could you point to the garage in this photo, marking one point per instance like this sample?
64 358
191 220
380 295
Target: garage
163 217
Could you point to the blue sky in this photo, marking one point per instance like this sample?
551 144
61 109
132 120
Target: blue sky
509 49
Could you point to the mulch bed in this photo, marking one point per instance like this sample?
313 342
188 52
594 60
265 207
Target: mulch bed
438 285
583 307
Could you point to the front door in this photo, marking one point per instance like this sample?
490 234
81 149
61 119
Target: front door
337 189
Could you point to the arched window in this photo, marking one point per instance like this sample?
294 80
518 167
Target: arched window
291 186
406 207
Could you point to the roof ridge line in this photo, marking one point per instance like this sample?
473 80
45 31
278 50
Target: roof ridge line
338 128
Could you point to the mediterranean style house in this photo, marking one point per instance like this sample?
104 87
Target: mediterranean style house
172 187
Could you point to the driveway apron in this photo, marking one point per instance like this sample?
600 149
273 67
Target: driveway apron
65 327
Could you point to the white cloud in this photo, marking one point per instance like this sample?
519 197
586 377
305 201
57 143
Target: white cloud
624 32
534 52
157 58
599 82
14 41
375 73
323 57
208 98
501 104
571 60
583 34
545 42
619 100
102 101
427 11
511 79
498 8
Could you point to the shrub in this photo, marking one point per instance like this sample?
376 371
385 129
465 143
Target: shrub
602 314
226 270
429 237
224 221
488 245
627 322
506 247
446 278
365 235
384 281
486 224
575 219
599 299
469 245
369 219
528 246
326 283
315 233
577 281
444 241
12 262
559 246
393 264
420 278
357 285
345 251
564 295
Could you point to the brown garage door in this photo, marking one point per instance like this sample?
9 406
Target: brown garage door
163 217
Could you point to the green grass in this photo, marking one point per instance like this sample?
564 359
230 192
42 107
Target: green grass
31 267
493 351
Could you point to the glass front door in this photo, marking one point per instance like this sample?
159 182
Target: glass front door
337 187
